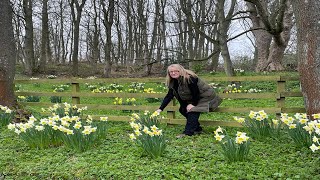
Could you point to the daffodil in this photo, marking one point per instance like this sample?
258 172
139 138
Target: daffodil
132 136
219 137
105 118
11 126
39 128
314 148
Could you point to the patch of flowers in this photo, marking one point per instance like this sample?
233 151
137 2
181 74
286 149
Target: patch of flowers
233 149
215 86
51 76
259 125
151 91
66 125
112 88
6 115
234 88
239 71
147 134
137 85
59 88
301 129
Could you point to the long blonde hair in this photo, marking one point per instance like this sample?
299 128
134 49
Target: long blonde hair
185 73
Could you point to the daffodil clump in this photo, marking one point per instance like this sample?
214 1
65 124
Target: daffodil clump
128 101
51 76
137 86
151 91
233 149
6 115
112 88
59 88
65 125
314 126
37 133
147 134
259 126
233 88
239 71
302 130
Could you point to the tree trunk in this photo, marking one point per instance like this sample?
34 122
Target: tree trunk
224 23
44 36
307 16
275 23
76 17
7 55
29 49
108 21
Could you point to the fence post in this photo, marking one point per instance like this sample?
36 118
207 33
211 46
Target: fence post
281 87
75 89
172 114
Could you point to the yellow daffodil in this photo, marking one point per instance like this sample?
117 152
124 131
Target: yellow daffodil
292 126
105 118
275 121
219 137
132 136
316 116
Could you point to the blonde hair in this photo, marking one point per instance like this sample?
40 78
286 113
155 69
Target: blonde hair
185 73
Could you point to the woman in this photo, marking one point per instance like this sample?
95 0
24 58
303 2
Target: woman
194 95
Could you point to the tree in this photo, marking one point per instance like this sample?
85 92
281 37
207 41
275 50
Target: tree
272 34
108 15
7 55
44 55
30 63
76 11
308 31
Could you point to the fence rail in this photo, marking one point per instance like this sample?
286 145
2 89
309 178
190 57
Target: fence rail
76 94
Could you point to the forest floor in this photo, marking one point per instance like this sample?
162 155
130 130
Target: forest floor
86 70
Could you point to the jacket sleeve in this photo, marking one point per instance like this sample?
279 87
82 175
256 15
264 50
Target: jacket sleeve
194 89
167 99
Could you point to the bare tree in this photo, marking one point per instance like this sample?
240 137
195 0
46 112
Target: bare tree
108 14
275 24
76 11
7 55
308 25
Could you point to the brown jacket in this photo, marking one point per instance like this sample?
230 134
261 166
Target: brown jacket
209 101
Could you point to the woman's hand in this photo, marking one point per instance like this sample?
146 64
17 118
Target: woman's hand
189 107
159 111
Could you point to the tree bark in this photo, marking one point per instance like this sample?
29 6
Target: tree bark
7 55
76 17
308 30
44 37
29 48
108 22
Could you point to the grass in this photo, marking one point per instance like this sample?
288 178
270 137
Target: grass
196 157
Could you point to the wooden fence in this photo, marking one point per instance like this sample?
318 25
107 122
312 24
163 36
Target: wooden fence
76 94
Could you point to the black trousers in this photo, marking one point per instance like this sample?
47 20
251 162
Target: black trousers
192 124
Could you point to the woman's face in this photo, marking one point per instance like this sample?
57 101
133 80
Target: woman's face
174 73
